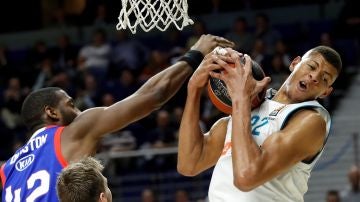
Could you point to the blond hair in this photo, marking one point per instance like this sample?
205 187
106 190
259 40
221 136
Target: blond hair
81 181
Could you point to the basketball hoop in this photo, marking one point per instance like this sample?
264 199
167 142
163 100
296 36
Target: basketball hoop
153 13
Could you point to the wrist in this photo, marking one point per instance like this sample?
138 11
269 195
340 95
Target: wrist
193 87
193 58
194 92
238 102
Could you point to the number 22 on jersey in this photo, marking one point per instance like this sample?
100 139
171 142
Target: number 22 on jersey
257 123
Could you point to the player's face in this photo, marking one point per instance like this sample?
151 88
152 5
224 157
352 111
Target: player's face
311 78
67 109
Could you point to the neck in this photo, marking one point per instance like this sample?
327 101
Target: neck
37 127
282 96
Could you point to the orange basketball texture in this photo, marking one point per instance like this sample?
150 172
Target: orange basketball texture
219 96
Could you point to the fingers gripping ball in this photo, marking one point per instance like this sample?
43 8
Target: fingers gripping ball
219 96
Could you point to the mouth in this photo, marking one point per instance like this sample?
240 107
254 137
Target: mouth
303 85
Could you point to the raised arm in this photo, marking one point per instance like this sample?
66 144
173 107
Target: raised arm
197 151
92 124
300 140
253 165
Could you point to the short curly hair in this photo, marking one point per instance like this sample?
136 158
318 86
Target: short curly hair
34 104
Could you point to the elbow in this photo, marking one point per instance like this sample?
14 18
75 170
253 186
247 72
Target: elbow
186 171
245 183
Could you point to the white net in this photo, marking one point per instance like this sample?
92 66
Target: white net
153 13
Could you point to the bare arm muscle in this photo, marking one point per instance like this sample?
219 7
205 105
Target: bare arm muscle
301 139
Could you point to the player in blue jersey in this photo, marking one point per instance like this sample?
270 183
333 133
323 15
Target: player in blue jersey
62 134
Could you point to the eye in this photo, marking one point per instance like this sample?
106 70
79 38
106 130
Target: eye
325 79
72 104
312 67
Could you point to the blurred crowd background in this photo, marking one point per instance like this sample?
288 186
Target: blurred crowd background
73 44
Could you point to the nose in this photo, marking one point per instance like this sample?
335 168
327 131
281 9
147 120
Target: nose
314 77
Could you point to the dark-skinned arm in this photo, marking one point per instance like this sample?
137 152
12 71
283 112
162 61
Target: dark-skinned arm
86 130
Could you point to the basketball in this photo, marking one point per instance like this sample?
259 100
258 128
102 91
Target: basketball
219 96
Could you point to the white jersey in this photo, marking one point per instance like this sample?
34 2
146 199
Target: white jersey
270 117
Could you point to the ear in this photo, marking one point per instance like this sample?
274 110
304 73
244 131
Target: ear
102 197
326 93
51 113
294 63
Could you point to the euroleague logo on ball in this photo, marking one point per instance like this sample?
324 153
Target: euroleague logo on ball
218 93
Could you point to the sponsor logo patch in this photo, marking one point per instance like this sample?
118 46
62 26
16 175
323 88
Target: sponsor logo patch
24 162
276 111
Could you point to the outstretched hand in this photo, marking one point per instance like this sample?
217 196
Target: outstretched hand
208 42
239 80
200 77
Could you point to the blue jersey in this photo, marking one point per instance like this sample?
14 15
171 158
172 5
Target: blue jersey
31 173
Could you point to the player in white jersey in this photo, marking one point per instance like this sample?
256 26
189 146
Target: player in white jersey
264 154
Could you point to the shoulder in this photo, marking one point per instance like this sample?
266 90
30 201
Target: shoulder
221 122
308 127
311 115
304 134
307 116
219 127
309 110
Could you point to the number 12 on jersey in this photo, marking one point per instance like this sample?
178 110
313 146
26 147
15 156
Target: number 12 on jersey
42 189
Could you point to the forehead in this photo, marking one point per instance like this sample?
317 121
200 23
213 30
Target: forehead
318 59
63 96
